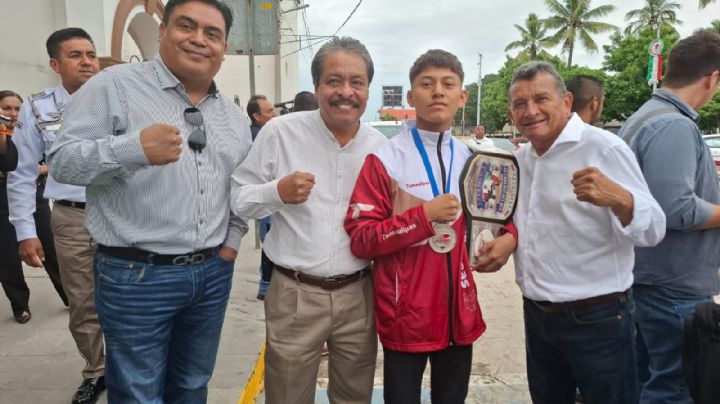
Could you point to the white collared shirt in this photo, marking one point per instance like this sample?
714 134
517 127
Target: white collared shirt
309 236
571 250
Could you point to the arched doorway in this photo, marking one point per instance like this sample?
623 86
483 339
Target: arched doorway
143 29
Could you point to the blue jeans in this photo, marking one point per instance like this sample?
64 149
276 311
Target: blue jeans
592 348
660 318
162 327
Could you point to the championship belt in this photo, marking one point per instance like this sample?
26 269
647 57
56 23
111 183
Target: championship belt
489 191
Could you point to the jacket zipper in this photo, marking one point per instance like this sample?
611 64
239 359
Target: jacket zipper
449 259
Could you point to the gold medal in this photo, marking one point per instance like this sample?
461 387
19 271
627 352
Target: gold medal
444 239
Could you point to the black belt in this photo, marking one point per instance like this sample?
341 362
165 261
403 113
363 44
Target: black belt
70 204
138 255
329 283
552 307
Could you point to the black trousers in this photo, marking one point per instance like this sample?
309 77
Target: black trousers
11 272
449 375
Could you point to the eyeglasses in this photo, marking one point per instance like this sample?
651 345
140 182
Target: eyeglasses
197 138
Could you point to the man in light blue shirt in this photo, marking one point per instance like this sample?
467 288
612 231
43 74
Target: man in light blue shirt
682 271
73 58
156 143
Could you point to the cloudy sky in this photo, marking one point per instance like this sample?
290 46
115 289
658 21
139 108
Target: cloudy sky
396 32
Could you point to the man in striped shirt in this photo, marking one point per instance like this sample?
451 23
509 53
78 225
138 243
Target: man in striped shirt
155 144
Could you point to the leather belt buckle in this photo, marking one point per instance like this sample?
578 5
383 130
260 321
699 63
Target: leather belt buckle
336 282
189 259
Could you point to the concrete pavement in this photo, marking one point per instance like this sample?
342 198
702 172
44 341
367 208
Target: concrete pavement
40 364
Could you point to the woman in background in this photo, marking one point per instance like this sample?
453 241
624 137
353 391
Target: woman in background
11 272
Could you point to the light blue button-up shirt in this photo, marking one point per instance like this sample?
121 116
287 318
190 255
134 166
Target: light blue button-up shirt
170 209
32 144
681 174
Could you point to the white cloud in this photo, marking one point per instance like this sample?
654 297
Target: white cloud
396 32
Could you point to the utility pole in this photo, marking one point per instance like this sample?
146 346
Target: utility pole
251 56
658 37
479 94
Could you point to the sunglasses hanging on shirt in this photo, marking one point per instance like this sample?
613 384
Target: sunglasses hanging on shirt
197 138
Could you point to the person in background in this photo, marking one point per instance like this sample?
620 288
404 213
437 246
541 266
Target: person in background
11 271
682 271
481 141
260 111
588 98
73 57
304 101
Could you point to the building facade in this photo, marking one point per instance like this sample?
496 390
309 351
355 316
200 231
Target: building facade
126 31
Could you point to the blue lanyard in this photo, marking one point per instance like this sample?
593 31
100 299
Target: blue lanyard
428 167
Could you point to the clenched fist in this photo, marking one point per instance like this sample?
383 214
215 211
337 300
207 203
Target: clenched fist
161 144
444 208
295 188
592 186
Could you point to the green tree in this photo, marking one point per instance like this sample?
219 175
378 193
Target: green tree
714 26
626 63
704 3
655 12
387 117
494 102
575 21
533 37
470 107
710 116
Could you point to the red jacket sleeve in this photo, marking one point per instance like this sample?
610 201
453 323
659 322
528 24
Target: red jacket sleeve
373 229
510 228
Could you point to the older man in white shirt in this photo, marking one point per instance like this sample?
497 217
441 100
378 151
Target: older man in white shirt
582 207
302 170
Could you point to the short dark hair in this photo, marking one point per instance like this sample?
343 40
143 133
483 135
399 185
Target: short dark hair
529 70
345 44
58 37
253 106
693 58
437 58
223 8
584 88
305 101
9 93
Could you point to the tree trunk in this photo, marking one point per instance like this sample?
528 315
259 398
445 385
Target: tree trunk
570 52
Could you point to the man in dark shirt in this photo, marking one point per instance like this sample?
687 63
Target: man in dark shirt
260 111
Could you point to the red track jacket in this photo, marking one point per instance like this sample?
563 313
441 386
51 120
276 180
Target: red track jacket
424 301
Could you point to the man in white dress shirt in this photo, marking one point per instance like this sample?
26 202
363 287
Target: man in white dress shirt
302 170
482 141
583 204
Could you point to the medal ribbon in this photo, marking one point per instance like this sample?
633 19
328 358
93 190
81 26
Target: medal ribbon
428 167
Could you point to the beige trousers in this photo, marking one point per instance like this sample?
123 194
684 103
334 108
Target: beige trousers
299 319
75 258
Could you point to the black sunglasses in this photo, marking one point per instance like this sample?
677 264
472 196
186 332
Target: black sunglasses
197 138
